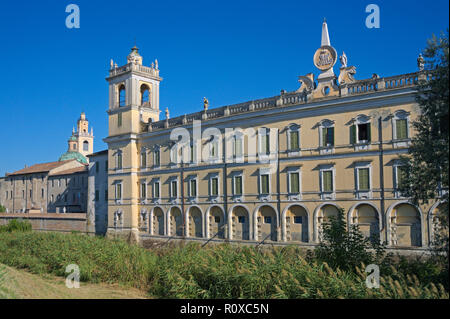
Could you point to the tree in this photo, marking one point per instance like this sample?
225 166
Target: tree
347 249
427 163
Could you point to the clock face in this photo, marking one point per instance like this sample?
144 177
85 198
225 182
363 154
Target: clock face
325 57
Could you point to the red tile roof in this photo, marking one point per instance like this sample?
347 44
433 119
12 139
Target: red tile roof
39 168
71 171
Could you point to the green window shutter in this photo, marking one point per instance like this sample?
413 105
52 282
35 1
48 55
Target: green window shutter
192 154
119 161
193 187
401 129
143 190
369 132
174 189
157 158
363 179
238 185
294 140
400 176
327 181
266 144
324 136
214 187
353 134
156 189
264 184
295 183
238 147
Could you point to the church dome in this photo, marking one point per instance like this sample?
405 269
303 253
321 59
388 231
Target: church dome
70 155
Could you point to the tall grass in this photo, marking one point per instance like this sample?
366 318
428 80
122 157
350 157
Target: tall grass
189 271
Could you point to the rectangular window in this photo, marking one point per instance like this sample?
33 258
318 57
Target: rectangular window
174 189
264 184
106 195
363 177
42 193
241 219
364 132
217 219
294 182
327 136
327 179
267 220
119 119
214 186
97 195
156 190
143 190
294 145
402 129
106 166
297 219
238 185
193 188
97 164
31 193
214 149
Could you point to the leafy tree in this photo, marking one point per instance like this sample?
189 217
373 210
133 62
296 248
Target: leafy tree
347 249
427 163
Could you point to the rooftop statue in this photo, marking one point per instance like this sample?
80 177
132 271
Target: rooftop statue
205 103
420 62
343 59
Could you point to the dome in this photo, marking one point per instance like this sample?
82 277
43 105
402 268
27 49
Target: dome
70 155
72 138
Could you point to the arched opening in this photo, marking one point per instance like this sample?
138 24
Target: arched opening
436 228
175 222
406 227
122 94
216 220
367 219
195 222
145 95
158 221
240 223
266 223
297 224
324 215
86 146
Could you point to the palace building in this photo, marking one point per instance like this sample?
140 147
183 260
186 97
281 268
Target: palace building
289 164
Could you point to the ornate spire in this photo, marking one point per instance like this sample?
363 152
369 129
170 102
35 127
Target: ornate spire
325 36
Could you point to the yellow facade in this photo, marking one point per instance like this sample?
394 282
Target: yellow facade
349 146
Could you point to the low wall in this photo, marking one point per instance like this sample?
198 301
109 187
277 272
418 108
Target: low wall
50 221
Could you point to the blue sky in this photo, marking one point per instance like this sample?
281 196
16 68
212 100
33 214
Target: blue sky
229 51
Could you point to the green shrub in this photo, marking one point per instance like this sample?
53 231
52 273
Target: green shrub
2 209
16 225
347 249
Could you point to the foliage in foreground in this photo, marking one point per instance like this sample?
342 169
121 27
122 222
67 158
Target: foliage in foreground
190 271
17 225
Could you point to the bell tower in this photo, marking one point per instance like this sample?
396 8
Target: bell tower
133 94
84 138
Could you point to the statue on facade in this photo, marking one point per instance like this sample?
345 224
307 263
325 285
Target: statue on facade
156 64
420 62
167 113
205 103
343 59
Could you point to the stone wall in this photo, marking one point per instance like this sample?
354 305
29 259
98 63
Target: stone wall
50 222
